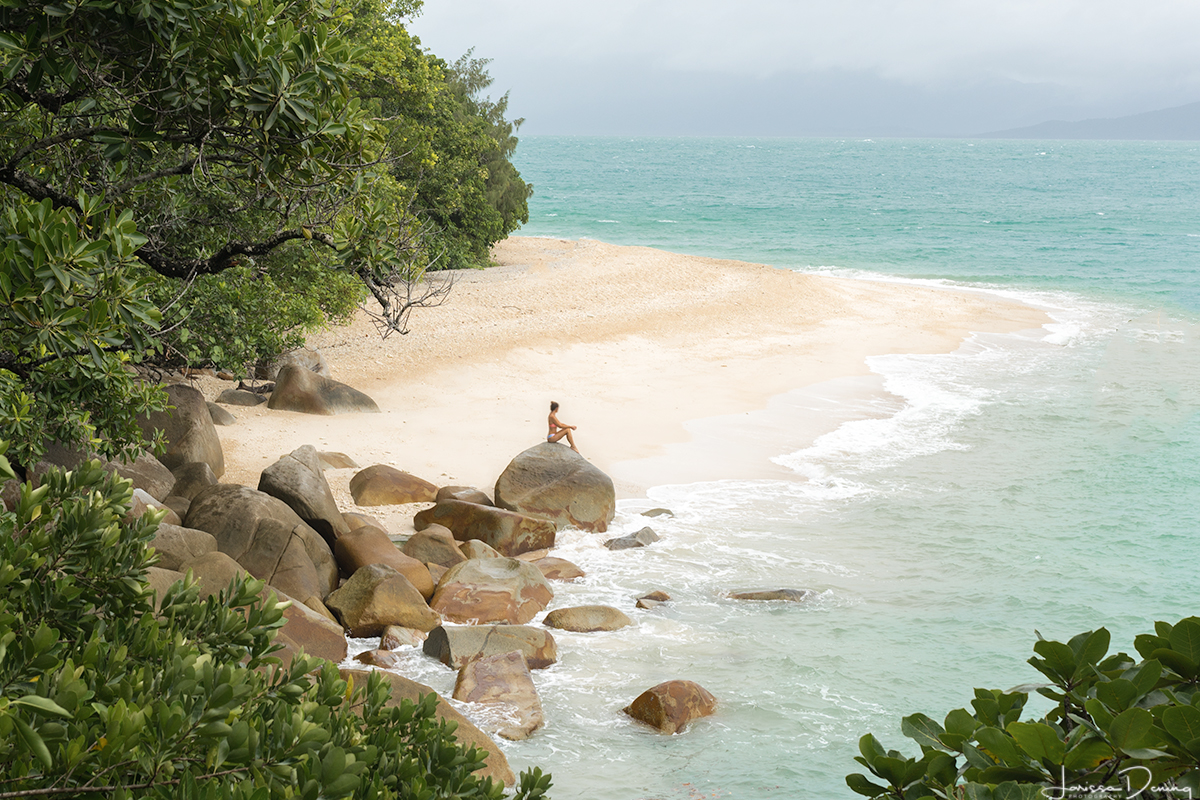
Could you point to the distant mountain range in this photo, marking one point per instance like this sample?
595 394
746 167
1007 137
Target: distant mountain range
1179 123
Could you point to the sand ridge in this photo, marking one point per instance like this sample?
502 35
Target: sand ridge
633 342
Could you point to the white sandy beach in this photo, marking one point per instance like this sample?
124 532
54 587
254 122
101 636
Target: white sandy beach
634 344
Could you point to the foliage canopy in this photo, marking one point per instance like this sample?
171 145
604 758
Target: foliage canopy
100 696
1119 726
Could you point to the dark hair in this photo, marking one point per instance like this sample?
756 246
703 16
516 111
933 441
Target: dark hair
553 406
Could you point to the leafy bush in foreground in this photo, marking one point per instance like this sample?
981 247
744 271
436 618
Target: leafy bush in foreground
101 697
1119 727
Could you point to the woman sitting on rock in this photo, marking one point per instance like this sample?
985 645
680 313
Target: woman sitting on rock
558 430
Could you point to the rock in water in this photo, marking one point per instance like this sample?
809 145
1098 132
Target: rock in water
503 681
492 590
670 706
554 482
378 596
587 619
508 532
790 595
458 645
298 389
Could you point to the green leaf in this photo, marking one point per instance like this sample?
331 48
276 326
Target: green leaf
1057 662
1117 695
859 783
33 742
999 745
43 705
1087 754
1038 740
1182 722
1131 729
922 730
1185 639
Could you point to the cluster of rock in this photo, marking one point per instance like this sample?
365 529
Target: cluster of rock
463 587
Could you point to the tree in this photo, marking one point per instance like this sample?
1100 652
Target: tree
1119 726
216 134
456 172
102 697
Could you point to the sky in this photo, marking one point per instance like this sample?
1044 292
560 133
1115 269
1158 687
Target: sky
833 67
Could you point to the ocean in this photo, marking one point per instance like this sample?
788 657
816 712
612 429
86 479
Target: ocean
1043 482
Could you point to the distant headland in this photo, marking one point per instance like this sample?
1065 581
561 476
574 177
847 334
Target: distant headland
1181 123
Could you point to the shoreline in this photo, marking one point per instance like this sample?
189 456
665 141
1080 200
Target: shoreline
662 360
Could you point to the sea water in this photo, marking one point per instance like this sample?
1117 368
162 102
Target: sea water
1043 481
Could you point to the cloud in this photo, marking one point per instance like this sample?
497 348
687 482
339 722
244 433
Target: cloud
1072 42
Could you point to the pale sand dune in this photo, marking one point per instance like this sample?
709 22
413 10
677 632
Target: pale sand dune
633 343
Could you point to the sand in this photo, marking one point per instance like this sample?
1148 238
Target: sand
665 363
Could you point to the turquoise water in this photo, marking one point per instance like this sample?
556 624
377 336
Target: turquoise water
1044 481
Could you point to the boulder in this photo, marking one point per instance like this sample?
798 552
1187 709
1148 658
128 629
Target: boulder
458 645
640 539
369 545
790 595
496 766
308 358
160 580
396 636
240 397
142 502
653 599
468 494
670 706
330 460
188 429
220 417
377 596
191 479
382 485
266 537
213 571
658 512
437 572
477 549
176 545
558 569
508 532
306 392
492 590
298 480
179 505
356 520
309 630
384 659
146 473
503 681
434 545
587 619
556 483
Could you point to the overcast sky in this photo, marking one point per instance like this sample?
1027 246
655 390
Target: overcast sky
833 67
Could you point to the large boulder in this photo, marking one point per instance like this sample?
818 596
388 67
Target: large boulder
508 532
308 630
266 537
382 485
188 429
458 645
160 581
492 590
587 619
670 706
556 483
503 681
299 389
176 545
434 545
220 417
474 548
496 766
378 596
298 480
370 545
